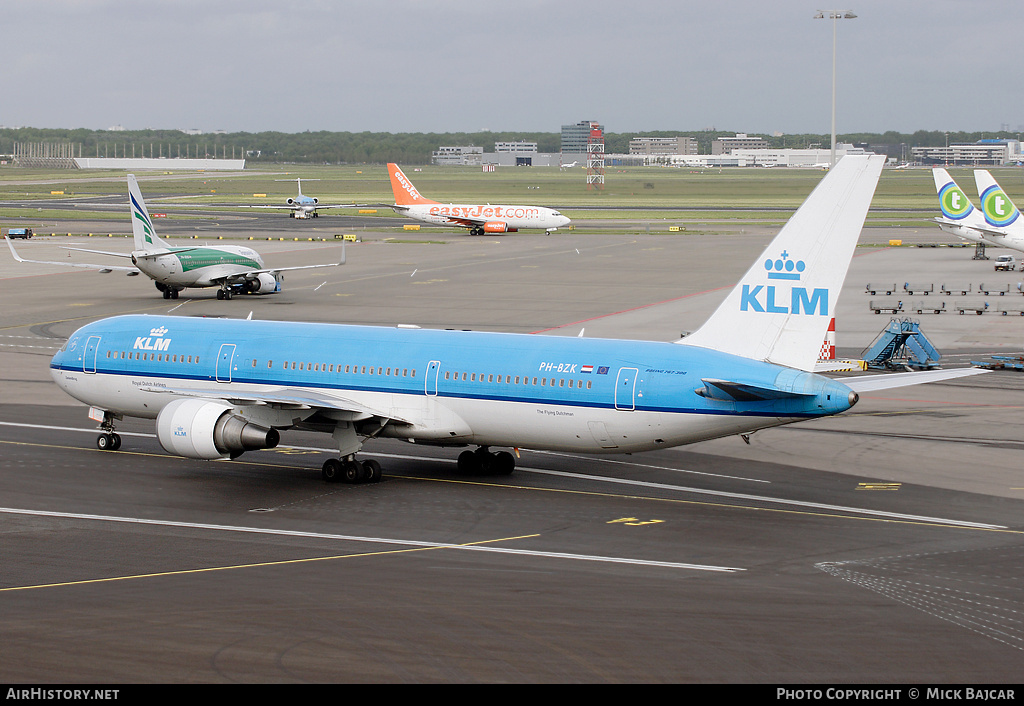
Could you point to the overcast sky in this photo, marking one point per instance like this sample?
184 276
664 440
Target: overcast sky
529 65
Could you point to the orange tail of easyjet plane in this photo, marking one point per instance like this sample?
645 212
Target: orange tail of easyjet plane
405 192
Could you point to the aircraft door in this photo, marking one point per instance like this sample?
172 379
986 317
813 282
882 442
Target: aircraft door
430 379
625 389
225 361
92 347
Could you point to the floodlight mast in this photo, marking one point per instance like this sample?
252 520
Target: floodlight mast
834 15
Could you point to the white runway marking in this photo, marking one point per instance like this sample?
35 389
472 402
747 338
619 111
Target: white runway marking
371 540
638 483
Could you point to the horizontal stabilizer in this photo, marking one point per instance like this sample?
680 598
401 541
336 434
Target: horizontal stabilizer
885 382
744 392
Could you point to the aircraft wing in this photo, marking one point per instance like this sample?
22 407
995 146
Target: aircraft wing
869 383
273 270
980 229
286 398
97 252
293 207
464 221
80 265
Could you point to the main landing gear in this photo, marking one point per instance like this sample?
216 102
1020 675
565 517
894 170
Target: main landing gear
349 470
484 462
168 292
109 440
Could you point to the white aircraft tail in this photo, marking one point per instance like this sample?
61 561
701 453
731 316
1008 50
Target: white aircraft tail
953 202
142 226
781 308
996 206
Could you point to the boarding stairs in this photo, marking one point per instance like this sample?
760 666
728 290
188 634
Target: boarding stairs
901 346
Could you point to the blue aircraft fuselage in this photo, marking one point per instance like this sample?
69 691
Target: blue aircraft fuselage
440 386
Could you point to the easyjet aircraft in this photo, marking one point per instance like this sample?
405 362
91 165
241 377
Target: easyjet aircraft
479 219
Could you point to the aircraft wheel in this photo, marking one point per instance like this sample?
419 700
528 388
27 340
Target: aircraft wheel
167 294
174 294
331 471
373 471
504 463
469 463
353 472
106 442
220 293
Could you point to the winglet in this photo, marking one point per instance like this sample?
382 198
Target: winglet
781 308
405 193
996 206
142 226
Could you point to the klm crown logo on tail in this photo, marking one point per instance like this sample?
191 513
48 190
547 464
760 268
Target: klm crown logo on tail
773 299
954 203
997 207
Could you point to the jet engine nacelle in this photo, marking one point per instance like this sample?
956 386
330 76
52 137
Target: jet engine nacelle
264 283
290 202
497 227
208 429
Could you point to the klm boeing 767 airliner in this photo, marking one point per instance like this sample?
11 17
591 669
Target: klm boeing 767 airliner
220 387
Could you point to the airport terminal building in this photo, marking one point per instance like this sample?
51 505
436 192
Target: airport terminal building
980 153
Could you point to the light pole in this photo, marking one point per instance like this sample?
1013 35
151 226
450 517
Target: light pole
834 15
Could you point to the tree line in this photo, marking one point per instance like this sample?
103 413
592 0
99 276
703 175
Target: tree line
325 147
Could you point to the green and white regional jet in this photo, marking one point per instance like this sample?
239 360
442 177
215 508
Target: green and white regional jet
233 269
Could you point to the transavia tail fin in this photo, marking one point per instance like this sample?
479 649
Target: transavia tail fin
953 202
405 192
996 206
782 306
142 226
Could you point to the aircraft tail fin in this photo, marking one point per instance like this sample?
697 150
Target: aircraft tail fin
996 206
142 226
405 193
953 202
781 308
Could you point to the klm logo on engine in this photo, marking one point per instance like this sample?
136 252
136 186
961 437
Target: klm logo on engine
775 299
155 341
